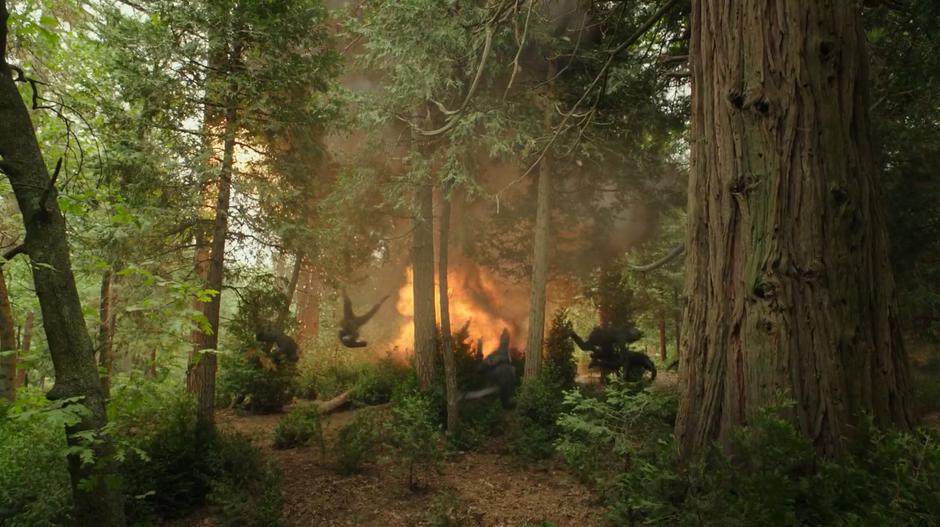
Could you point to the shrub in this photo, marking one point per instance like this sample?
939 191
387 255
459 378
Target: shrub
34 482
415 434
298 427
357 442
534 429
448 510
325 377
174 467
479 420
245 491
559 364
376 382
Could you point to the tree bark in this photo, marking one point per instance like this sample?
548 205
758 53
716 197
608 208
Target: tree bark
7 344
203 374
677 310
76 375
662 334
787 277
423 283
106 330
536 337
308 304
450 368
25 342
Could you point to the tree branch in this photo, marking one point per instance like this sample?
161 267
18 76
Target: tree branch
13 253
670 256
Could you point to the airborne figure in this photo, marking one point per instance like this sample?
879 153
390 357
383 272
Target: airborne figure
349 326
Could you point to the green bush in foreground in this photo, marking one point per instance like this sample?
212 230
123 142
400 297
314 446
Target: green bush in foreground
357 442
622 442
298 427
415 434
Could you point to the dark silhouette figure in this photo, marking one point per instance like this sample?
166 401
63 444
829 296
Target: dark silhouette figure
349 326
286 347
498 374
609 349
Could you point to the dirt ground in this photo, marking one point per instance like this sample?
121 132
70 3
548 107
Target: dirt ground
481 488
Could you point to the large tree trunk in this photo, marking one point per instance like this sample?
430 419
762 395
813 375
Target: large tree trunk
450 368
7 344
423 283
106 330
308 304
26 338
202 374
787 277
96 502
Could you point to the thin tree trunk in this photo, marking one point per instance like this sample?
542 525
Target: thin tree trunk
96 502
662 334
450 368
423 284
677 309
787 277
7 344
203 373
106 330
25 342
533 354
291 289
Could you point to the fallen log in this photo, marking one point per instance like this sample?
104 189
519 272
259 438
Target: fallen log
333 404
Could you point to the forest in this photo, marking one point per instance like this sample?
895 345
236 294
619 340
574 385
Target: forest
466 263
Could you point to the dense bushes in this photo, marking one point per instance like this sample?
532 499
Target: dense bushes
622 442
298 427
357 442
534 428
34 483
415 434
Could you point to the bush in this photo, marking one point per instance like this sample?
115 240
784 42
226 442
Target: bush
175 468
357 442
479 420
559 364
34 482
534 429
245 491
325 378
448 510
772 476
298 427
376 382
415 434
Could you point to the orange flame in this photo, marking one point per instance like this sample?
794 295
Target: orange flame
474 295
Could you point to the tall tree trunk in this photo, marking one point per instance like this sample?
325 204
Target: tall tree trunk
423 283
662 334
787 277
291 289
308 304
202 381
26 339
677 310
7 344
96 502
106 330
450 368
536 337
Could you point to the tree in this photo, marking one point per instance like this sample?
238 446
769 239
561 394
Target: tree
96 500
422 258
447 343
787 277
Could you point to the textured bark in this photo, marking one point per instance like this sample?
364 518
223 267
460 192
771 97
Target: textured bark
787 277
7 344
662 334
25 342
677 309
450 368
106 330
203 373
308 304
423 283
536 337
76 375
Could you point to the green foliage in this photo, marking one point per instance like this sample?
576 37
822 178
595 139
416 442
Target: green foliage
599 433
245 490
249 377
448 510
357 442
324 377
559 352
298 427
414 432
34 483
376 382
479 419
174 468
926 379
623 444
538 405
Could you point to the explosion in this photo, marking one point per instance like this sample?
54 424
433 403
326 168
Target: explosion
487 302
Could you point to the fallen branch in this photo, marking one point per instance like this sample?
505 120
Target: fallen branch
333 404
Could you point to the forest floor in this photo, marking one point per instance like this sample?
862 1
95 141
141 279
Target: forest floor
483 488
